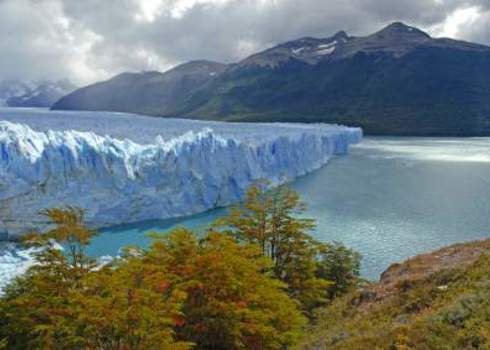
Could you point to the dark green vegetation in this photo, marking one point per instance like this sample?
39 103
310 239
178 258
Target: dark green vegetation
398 81
434 301
251 281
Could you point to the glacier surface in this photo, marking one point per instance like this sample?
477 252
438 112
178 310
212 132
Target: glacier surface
125 168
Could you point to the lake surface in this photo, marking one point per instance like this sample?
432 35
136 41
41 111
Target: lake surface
390 198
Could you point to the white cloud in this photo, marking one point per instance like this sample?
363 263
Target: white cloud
92 39
180 7
455 24
149 10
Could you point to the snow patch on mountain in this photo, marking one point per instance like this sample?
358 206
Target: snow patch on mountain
326 49
329 45
298 50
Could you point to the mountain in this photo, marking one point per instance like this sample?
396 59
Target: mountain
152 93
397 81
15 93
10 88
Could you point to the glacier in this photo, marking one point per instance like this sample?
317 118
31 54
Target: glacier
125 168
14 261
134 168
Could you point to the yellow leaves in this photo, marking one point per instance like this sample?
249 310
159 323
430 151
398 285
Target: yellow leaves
33 239
181 291
270 220
135 302
63 303
240 288
227 292
69 225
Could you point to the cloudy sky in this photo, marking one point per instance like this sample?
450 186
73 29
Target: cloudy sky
89 40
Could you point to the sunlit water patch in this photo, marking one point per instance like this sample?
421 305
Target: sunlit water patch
393 198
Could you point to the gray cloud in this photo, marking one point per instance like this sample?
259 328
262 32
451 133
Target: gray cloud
91 39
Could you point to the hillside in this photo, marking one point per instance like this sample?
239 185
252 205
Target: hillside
397 81
151 93
439 300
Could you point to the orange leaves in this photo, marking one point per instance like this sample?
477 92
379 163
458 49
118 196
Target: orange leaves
130 304
242 304
69 225
211 292
240 288
163 286
179 321
228 297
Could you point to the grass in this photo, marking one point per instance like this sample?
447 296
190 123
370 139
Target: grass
434 301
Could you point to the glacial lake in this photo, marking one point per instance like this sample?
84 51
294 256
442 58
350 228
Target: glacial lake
390 198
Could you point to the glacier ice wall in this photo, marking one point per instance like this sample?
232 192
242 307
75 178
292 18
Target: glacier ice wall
119 180
14 261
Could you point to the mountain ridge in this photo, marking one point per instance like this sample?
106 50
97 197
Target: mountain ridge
43 93
142 92
396 81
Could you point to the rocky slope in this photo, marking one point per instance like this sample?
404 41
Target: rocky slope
397 81
439 300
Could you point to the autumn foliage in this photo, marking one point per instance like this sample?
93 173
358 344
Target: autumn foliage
230 303
273 219
250 282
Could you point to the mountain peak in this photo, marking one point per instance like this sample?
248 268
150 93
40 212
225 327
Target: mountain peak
401 29
200 63
341 35
40 93
199 66
397 24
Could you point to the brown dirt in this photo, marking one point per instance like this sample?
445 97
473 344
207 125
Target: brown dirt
421 267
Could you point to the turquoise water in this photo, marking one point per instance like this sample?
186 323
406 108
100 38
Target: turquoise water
390 198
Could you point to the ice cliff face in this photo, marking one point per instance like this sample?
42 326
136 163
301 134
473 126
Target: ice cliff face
14 261
119 180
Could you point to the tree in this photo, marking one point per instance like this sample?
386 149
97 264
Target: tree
231 303
66 301
272 220
211 292
340 265
70 232
129 305
246 287
36 310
